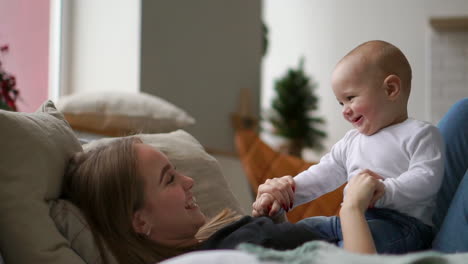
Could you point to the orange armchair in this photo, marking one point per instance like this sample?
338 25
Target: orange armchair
261 162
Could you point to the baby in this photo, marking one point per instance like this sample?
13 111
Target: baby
372 83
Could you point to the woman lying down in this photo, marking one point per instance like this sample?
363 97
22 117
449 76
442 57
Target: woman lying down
142 209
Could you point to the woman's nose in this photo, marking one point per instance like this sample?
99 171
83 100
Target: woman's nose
188 182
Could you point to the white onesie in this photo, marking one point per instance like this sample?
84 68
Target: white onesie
408 155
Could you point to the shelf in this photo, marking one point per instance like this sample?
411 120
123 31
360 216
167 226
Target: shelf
449 23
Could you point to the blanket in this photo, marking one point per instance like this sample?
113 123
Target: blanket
325 253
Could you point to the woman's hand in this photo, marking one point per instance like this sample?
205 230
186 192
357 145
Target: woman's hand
273 195
380 188
360 192
363 190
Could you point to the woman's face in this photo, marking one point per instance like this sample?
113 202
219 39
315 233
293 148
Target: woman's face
170 211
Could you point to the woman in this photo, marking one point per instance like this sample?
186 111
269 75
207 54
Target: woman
143 210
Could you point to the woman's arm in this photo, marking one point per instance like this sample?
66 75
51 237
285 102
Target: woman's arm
356 233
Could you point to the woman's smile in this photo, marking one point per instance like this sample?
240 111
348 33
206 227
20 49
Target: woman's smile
191 203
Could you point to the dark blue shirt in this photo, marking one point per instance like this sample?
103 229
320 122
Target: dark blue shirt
259 231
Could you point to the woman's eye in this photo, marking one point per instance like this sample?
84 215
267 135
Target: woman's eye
172 175
171 178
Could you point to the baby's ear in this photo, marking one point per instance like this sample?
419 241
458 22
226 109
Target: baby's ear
392 86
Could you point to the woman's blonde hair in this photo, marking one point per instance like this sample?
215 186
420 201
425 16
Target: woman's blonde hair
104 183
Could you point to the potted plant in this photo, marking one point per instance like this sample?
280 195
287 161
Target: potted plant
292 116
8 91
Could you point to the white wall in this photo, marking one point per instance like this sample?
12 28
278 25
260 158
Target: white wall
324 31
102 45
449 71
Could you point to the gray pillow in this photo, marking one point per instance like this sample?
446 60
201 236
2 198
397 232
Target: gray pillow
122 113
35 149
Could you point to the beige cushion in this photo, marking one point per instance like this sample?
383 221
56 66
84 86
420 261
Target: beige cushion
122 113
72 224
186 153
35 150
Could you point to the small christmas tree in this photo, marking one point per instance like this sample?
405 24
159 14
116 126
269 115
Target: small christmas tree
291 114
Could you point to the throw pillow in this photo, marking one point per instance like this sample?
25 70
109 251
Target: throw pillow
190 158
35 149
122 113
74 227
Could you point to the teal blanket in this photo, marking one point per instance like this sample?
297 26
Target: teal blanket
324 253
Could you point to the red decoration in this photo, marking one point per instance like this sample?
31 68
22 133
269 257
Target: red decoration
8 91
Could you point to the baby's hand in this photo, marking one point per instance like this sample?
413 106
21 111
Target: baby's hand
282 189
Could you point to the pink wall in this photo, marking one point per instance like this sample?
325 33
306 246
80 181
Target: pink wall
24 26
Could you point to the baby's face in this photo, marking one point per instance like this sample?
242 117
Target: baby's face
363 97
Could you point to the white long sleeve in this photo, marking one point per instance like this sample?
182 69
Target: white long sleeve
329 174
409 156
413 192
